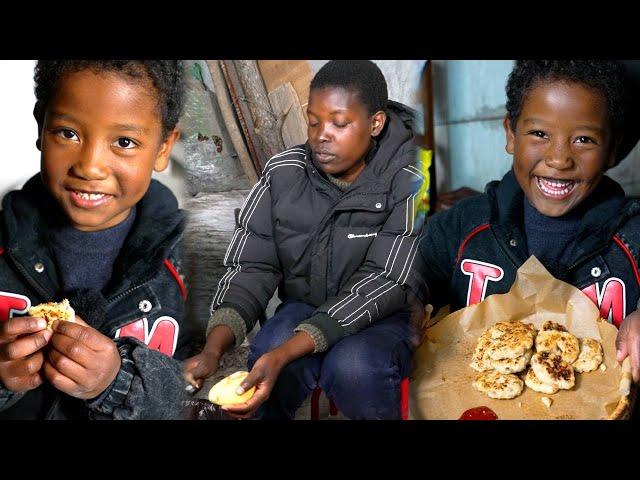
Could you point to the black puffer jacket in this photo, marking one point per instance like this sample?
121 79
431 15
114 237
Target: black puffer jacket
348 253
142 306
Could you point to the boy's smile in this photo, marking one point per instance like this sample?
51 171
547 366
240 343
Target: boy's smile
561 146
100 142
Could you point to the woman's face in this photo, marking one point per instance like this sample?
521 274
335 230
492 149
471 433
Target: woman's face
340 131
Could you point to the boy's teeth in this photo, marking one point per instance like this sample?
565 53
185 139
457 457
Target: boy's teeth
90 196
557 188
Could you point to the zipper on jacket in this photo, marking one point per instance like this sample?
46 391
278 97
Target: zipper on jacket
128 291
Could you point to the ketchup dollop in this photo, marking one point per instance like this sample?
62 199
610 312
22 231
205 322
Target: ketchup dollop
479 413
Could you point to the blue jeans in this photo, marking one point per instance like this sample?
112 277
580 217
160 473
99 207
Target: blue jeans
361 373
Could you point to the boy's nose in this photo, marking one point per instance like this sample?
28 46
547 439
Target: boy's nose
559 156
91 165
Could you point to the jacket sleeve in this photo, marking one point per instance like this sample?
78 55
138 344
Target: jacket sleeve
253 268
381 285
8 398
149 386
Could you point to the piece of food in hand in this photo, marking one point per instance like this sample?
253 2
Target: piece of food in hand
558 343
224 392
511 365
591 356
535 384
510 340
550 368
498 385
52 311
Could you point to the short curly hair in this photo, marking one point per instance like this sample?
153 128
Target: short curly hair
360 76
166 76
604 76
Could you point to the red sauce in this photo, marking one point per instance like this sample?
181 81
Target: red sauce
479 413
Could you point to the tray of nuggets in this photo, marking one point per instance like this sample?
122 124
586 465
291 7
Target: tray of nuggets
512 355
540 351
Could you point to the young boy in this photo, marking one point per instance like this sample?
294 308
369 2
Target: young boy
331 223
94 228
564 127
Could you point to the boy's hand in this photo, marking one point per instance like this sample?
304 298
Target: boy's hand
21 358
200 367
628 343
82 362
263 376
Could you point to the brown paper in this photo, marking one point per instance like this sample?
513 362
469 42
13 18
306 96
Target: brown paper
441 385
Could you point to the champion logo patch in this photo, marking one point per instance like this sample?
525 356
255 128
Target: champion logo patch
362 235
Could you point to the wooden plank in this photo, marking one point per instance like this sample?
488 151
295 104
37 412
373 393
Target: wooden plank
279 72
292 122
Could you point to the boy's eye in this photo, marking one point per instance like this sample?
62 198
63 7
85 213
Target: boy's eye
585 139
340 125
538 133
68 134
313 124
124 142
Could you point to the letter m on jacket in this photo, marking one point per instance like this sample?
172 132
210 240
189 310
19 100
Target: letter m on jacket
162 337
480 274
610 299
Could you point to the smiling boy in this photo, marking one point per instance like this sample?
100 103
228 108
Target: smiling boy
564 127
95 228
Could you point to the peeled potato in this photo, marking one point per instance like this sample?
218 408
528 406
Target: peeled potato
224 392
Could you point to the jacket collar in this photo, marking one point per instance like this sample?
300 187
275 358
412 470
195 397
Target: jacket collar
29 214
606 211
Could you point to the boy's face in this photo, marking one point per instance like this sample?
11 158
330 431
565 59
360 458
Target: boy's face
561 146
340 131
100 141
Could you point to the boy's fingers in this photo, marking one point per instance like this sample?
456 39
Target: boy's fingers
58 380
21 325
74 349
24 384
87 335
621 343
27 366
24 346
635 360
67 367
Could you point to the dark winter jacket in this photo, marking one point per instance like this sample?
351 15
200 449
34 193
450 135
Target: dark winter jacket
141 307
348 253
474 249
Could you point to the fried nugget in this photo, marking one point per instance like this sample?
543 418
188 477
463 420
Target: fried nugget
511 365
498 385
550 368
558 343
510 340
534 383
591 355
